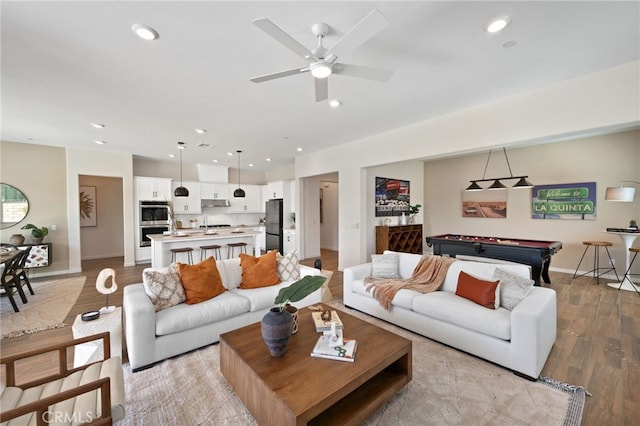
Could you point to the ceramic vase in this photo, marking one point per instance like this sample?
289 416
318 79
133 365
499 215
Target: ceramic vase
293 311
17 239
276 330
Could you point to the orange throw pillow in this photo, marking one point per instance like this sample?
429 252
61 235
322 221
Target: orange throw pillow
200 281
485 293
259 271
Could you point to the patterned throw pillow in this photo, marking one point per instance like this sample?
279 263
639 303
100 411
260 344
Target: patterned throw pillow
385 265
163 287
513 288
288 269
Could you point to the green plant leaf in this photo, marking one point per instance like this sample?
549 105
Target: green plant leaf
300 289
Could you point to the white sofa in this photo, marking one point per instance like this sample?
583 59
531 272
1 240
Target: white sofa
153 336
520 339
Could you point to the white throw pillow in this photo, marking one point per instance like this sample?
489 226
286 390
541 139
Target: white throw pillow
514 288
287 266
385 265
163 286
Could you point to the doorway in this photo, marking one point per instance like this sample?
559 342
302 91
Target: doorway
103 235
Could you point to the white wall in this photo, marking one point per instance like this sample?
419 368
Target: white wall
602 159
598 102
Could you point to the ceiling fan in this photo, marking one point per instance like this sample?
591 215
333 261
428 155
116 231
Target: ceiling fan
323 61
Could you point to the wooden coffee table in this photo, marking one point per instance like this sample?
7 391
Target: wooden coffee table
297 389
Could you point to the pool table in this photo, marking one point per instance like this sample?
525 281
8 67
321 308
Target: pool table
534 253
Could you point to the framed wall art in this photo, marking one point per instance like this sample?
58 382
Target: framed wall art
567 201
484 204
392 197
88 206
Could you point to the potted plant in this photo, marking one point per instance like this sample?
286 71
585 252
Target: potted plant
413 211
633 224
37 234
277 325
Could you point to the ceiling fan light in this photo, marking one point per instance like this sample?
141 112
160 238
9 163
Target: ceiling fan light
320 69
497 185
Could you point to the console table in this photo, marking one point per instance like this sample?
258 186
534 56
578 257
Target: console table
404 238
39 256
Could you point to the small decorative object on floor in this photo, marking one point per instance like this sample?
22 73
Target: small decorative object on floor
346 352
90 316
276 330
103 276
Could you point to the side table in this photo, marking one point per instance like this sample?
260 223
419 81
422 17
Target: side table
92 351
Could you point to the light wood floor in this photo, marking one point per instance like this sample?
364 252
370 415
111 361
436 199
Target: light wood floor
598 343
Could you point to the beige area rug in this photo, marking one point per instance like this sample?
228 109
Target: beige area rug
45 310
448 388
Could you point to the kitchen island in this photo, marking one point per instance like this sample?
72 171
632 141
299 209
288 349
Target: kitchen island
162 244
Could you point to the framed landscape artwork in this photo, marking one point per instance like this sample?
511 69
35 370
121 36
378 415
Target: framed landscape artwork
485 204
88 206
392 197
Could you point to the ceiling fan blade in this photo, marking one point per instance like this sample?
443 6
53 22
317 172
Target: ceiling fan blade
370 73
280 35
280 74
369 26
322 89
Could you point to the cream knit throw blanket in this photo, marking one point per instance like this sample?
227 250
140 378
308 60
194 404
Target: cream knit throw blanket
428 276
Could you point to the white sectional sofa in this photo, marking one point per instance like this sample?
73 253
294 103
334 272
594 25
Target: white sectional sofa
520 339
153 336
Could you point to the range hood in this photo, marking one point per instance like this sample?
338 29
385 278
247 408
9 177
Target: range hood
214 203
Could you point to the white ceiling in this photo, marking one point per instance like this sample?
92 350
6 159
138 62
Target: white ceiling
66 64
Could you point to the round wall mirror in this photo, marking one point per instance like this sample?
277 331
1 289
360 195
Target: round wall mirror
14 206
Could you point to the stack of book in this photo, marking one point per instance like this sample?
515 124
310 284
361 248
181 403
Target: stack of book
328 346
322 325
345 352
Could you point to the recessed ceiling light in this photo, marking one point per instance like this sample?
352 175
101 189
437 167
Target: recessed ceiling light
250 164
299 150
497 24
230 154
268 159
145 32
172 155
99 142
97 125
334 103
200 131
215 161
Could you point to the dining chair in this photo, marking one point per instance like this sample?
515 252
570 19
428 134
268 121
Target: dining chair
10 280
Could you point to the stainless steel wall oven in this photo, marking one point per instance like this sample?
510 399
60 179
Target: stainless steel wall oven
154 213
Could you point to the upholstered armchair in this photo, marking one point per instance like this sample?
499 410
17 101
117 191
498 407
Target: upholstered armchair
91 394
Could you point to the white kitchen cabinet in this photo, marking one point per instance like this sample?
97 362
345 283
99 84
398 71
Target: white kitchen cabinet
190 204
251 203
275 189
262 239
151 189
289 240
292 195
214 191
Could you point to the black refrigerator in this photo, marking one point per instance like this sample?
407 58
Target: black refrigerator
273 224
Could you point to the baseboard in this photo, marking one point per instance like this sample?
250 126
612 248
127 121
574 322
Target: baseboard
102 256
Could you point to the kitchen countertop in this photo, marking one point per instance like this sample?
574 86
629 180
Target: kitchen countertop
199 234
